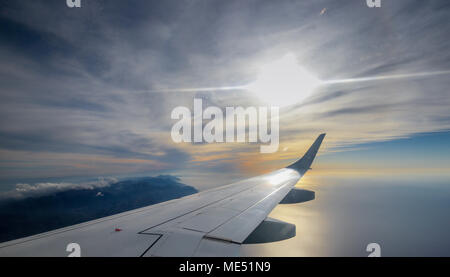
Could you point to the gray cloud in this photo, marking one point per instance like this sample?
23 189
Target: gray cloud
77 81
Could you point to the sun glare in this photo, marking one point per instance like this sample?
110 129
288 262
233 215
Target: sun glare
283 82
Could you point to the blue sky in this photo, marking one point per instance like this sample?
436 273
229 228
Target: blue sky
77 85
419 152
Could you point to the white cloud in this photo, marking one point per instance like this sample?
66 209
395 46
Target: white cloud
40 189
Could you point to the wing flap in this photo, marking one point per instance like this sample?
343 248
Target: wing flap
241 226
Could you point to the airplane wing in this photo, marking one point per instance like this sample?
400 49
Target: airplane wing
214 222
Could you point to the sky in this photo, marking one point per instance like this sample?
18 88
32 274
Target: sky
87 93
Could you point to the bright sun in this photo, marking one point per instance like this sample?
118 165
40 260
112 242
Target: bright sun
283 82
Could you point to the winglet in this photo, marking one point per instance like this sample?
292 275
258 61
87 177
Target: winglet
303 164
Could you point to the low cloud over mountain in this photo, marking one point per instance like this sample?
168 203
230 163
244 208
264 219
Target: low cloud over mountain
39 208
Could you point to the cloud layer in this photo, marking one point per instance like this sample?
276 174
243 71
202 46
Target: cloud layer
75 83
40 189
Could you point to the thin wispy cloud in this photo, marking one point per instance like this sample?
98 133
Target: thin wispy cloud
89 91
39 189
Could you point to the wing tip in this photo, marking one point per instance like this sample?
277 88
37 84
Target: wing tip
303 164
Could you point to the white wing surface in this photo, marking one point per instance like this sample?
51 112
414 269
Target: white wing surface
210 223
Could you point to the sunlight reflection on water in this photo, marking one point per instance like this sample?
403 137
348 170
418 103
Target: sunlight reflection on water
407 215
